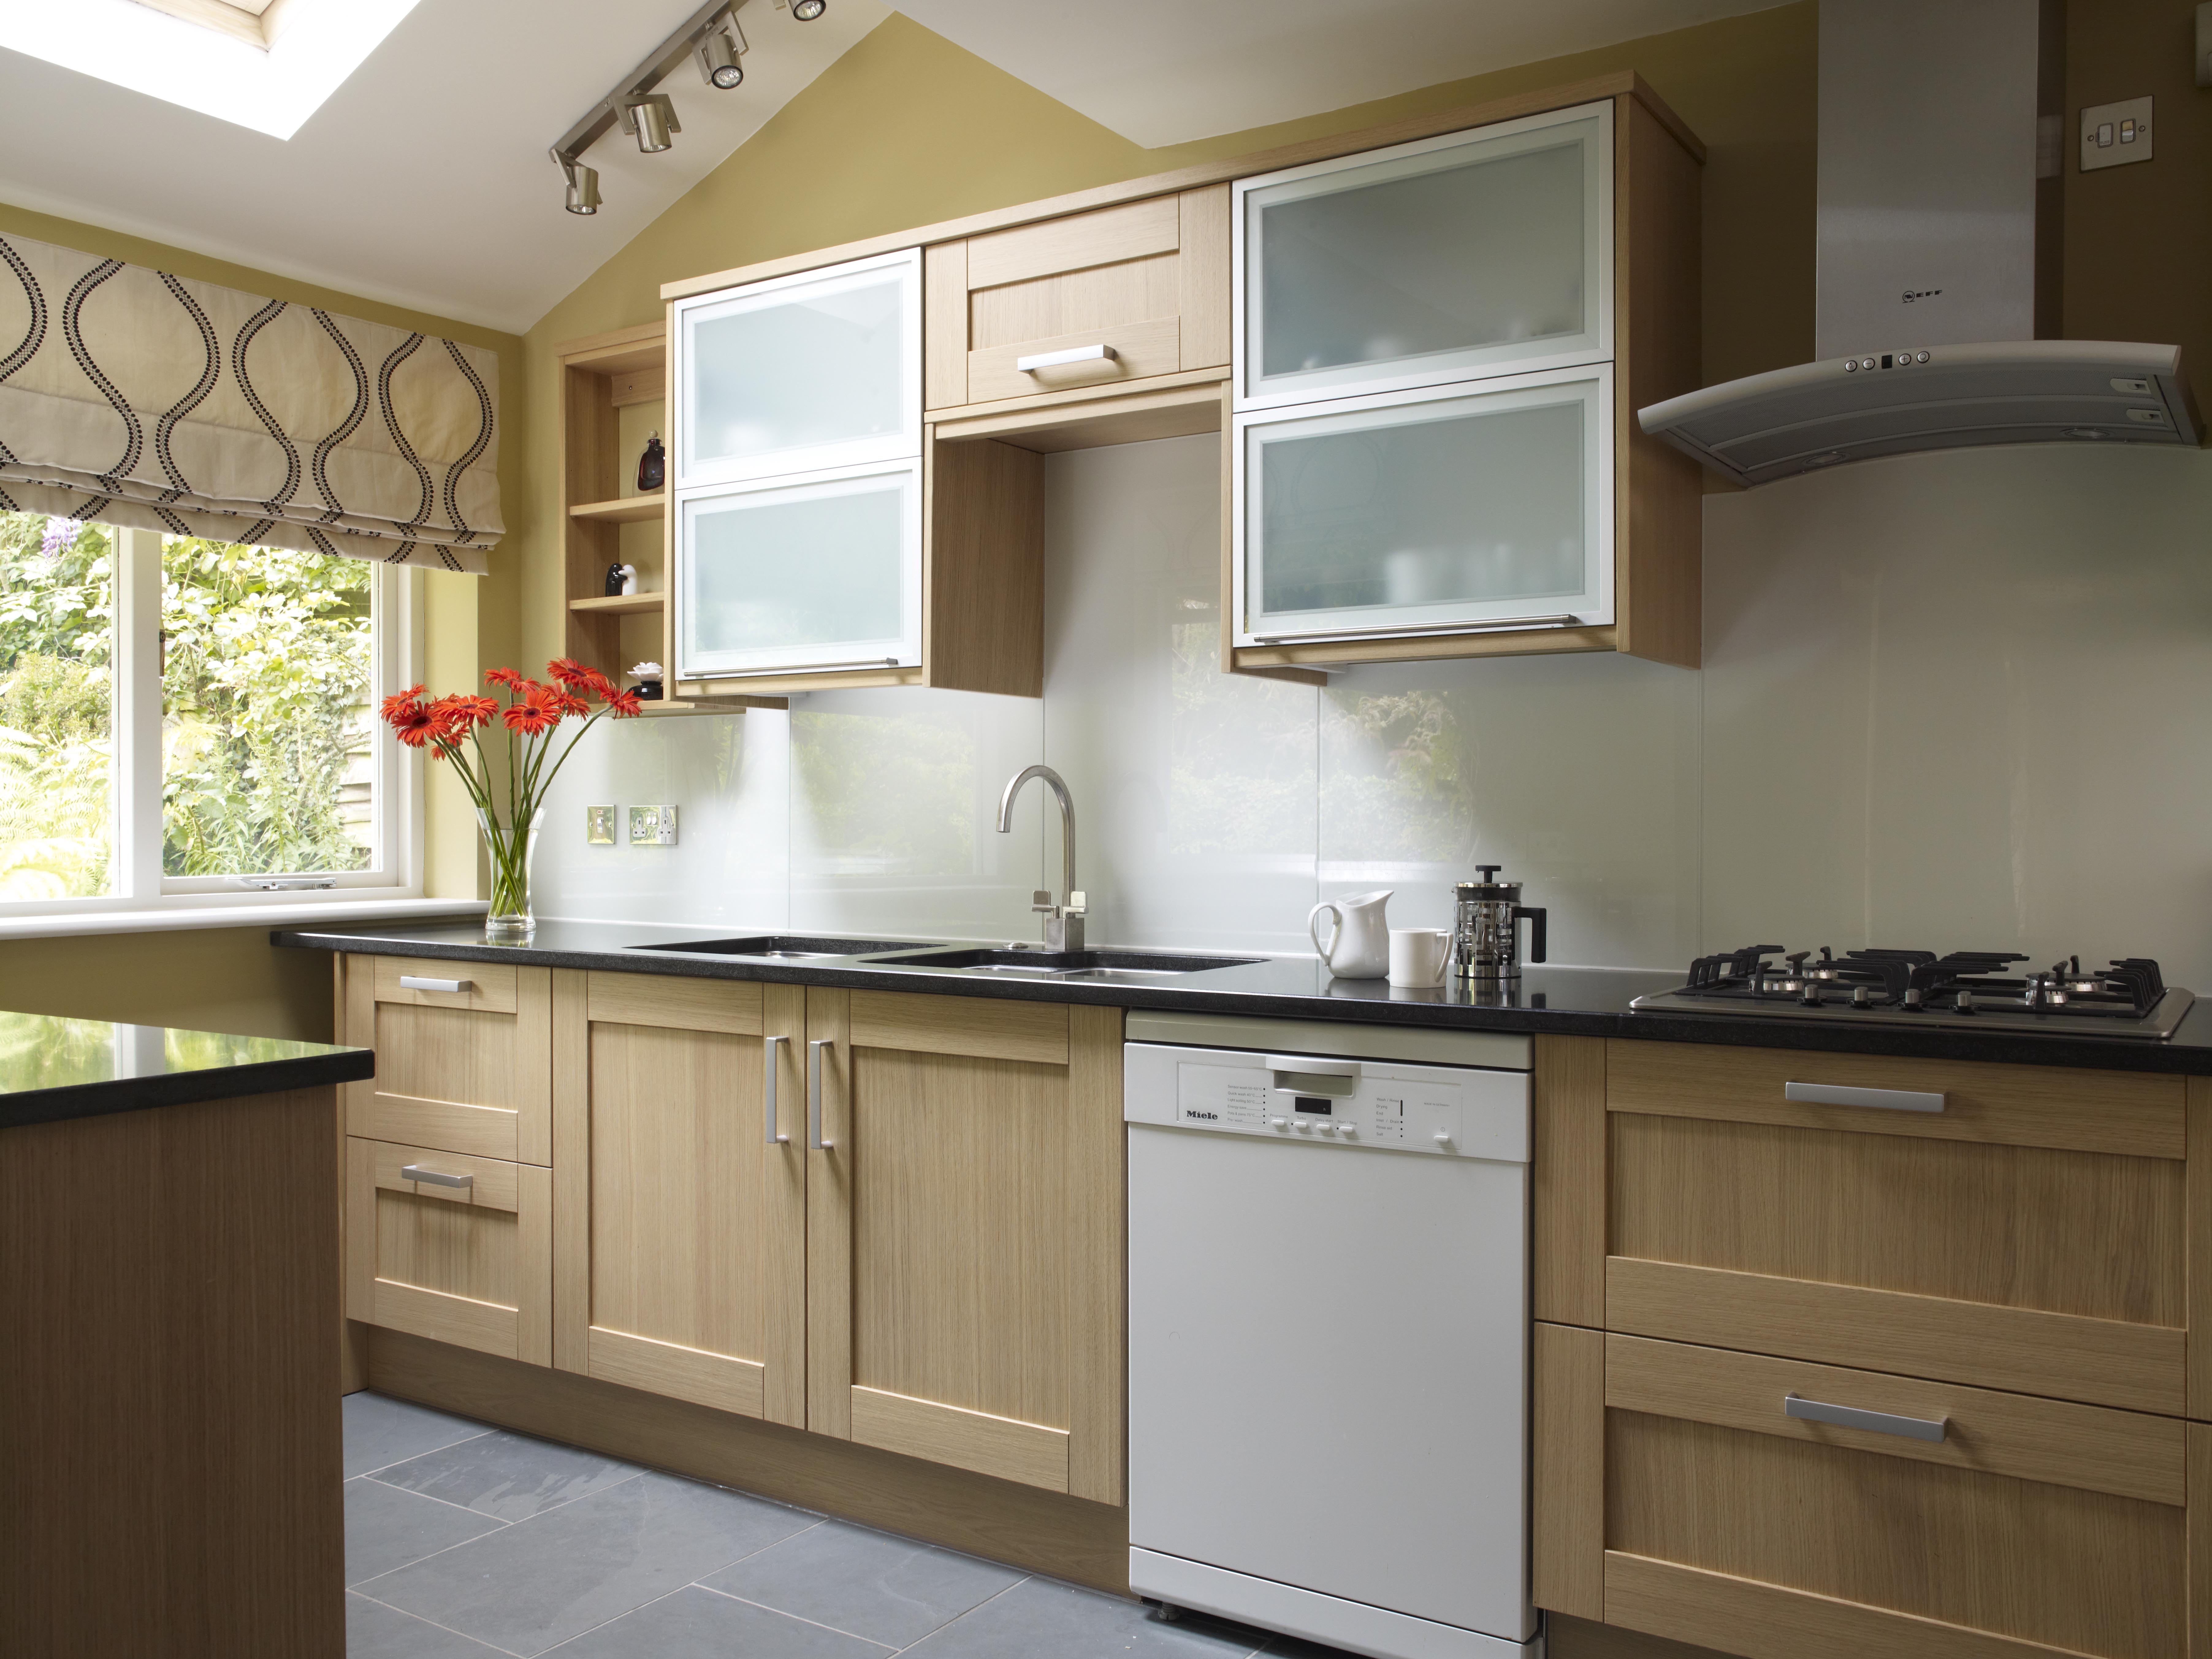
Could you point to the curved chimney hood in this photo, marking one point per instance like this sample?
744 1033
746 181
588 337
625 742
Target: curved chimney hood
1852 408
1942 148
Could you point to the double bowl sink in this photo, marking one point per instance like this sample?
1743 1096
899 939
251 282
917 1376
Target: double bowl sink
979 961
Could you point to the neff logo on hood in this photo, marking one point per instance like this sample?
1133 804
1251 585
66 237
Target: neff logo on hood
1911 295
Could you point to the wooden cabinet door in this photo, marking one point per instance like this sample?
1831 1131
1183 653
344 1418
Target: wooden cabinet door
1740 1513
965 1260
1148 281
454 1248
463 1055
680 1227
2015 1227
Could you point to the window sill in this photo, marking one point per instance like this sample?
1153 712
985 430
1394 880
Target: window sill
180 913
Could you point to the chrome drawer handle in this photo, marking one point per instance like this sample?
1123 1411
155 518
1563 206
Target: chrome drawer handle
814 1140
1850 1417
436 1177
770 1044
417 983
1837 1094
1089 353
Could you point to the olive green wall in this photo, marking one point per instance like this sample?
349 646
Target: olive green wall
908 130
231 979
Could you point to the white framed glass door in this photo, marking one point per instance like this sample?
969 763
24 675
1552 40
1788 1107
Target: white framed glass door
799 374
1450 512
1451 258
815 573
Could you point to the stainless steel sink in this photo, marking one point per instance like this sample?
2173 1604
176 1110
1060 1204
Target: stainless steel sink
1094 967
786 947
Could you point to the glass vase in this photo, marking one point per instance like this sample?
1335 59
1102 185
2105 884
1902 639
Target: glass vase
511 849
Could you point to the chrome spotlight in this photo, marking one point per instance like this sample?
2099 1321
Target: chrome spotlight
807 10
583 184
649 117
719 48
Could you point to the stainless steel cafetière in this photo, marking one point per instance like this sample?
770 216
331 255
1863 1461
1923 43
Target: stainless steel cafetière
1487 929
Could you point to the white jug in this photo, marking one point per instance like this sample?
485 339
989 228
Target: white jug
1359 942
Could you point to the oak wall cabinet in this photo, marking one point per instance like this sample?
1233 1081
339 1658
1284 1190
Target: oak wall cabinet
1440 346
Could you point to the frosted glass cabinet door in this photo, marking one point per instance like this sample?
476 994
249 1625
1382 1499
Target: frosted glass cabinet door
1441 512
800 373
823 574
1474 254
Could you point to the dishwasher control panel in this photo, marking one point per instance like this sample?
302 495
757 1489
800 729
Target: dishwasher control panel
1442 1110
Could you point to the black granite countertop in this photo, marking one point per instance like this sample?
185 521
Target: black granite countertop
1564 1001
53 1068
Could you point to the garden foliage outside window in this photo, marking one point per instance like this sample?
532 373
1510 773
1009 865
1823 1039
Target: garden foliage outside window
268 665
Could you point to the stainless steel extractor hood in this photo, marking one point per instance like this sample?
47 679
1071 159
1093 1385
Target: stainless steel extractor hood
1941 204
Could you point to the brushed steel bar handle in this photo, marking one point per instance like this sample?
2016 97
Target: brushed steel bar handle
1838 1094
770 1045
1850 1417
417 983
436 1177
1504 624
814 1141
1089 353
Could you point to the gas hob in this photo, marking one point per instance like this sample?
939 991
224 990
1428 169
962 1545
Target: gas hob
1965 991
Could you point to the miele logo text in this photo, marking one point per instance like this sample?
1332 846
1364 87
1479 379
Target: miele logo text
1211 1117
1911 295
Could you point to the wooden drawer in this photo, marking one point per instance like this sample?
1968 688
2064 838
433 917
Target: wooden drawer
472 1265
2029 1235
1148 279
2032 1525
467 1070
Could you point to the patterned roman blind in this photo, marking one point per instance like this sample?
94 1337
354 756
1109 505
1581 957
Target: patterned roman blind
140 399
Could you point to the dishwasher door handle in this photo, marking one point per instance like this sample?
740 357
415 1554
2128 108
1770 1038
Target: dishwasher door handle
1306 1066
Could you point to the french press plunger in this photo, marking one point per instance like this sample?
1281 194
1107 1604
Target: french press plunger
1487 929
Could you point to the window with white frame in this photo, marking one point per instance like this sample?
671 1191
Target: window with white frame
185 721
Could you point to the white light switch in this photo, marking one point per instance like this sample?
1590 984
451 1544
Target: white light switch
2115 134
652 826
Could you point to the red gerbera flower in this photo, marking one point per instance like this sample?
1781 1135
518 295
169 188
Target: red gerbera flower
400 702
600 686
470 712
532 718
622 704
570 672
414 725
506 676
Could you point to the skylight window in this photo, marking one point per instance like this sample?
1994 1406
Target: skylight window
266 64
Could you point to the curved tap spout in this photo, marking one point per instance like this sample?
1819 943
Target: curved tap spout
1064 925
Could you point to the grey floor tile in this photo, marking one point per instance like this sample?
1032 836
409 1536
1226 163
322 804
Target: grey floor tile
381 1430
508 1476
1039 1617
376 1632
556 1575
868 1582
698 1623
386 1527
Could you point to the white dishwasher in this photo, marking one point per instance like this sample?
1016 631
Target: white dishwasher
1328 1330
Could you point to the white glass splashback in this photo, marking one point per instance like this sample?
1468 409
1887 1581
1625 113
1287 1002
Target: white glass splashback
1442 260
818 573
1448 512
800 373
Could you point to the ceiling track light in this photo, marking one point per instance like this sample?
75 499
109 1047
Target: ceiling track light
807 10
711 36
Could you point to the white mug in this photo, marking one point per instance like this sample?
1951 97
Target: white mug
1359 944
1417 956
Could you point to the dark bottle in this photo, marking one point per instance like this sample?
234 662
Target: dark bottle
651 466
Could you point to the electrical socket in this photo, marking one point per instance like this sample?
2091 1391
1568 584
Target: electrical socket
652 826
599 826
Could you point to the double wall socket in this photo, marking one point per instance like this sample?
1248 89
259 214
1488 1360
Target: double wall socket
652 826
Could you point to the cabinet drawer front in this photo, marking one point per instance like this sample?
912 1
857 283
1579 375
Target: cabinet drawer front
2126 1113
1076 242
1821 1512
987 1029
1140 350
2127 1454
485 987
471 1265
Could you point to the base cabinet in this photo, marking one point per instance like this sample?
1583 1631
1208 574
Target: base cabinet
679 1262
